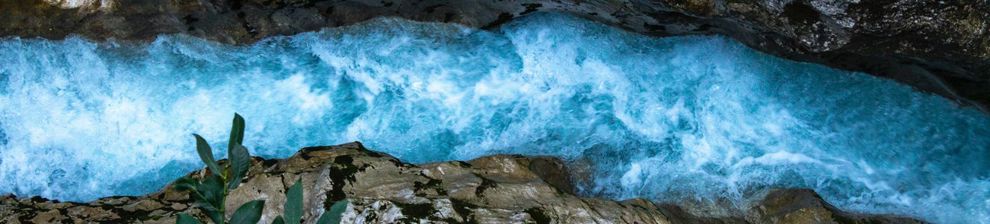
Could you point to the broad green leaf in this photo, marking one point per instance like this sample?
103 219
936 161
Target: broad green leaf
278 220
186 219
335 214
236 132
201 201
185 184
216 216
212 193
240 161
192 186
206 207
206 154
212 190
294 203
249 213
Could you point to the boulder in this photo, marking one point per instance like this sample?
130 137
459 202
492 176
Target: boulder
382 189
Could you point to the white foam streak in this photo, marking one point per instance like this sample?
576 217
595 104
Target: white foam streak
686 118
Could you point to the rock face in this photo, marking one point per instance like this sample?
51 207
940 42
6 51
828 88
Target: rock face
937 46
382 189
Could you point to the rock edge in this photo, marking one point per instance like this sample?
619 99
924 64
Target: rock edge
383 189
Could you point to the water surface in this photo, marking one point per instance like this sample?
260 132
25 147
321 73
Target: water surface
670 119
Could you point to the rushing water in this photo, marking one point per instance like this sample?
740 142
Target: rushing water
664 118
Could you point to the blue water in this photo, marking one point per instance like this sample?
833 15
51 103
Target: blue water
670 119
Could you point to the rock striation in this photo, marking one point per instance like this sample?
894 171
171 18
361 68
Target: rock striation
938 46
383 189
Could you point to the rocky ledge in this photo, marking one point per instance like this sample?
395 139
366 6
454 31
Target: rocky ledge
937 46
383 189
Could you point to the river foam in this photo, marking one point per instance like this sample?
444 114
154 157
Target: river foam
671 119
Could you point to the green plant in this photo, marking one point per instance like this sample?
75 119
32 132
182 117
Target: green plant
293 208
211 192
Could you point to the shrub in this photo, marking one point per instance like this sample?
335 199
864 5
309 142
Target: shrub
210 193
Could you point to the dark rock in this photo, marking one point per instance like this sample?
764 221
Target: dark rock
805 206
382 189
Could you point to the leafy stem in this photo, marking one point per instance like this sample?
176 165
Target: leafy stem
210 192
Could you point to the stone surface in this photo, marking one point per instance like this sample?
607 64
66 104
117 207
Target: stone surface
804 206
937 46
382 189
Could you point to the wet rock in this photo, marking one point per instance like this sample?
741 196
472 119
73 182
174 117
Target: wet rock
805 206
383 189
50 216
